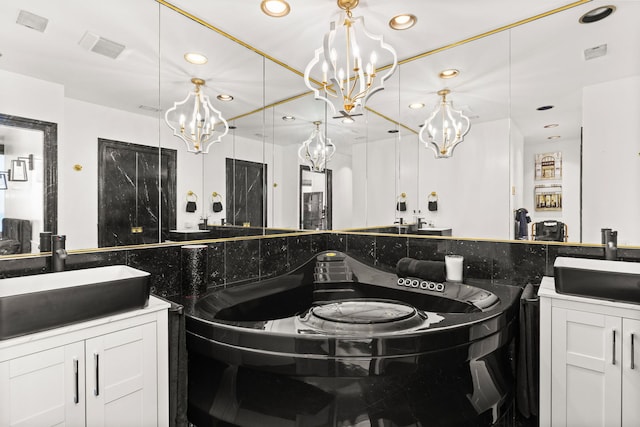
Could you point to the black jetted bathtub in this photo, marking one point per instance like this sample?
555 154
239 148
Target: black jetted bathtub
340 343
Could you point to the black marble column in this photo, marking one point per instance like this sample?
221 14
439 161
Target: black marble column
193 270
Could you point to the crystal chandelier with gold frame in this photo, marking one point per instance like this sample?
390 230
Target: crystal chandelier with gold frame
196 121
445 128
348 80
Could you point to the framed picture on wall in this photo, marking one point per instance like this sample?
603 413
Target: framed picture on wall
3 180
549 166
18 170
548 197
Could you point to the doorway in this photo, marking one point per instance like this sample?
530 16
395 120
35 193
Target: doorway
316 199
136 193
245 186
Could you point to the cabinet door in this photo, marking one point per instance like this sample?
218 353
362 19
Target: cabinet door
586 369
44 388
121 378
631 373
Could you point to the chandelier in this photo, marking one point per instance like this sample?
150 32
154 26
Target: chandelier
316 151
347 81
195 121
445 128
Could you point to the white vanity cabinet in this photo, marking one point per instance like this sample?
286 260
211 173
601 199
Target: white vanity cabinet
106 372
589 361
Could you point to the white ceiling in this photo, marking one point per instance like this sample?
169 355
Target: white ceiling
507 73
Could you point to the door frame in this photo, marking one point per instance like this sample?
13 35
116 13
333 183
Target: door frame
329 201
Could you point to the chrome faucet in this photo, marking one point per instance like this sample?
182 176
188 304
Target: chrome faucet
58 252
610 242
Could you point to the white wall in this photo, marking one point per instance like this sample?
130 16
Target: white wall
78 144
17 95
473 185
516 170
474 194
31 98
611 143
342 175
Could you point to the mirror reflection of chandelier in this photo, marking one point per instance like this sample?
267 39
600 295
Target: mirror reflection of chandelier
445 128
196 121
316 150
347 61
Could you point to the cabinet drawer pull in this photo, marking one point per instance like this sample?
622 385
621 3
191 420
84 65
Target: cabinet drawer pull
76 394
633 363
96 362
613 358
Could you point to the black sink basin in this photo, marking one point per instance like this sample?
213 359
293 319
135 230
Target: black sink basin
594 278
31 304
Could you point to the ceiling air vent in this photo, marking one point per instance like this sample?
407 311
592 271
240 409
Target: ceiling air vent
31 20
149 108
595 52
100 45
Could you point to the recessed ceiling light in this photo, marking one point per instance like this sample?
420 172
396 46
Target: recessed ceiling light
403 22
416 105
553 137
597 14
449 73
195 58
544 107
552 125
275 8
223 97
348 120
288 118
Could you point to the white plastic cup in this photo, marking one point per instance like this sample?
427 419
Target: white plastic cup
453 264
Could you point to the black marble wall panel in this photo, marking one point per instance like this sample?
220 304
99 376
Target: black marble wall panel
16 267
216 271
301 249
362 247
95 259
242 260
389 250
273 257
337 242
231 263
164 265
519 262
427 249
319 243
128 180
193 270
245 189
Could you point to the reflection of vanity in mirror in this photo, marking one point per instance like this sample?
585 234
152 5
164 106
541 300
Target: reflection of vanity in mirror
489 177
27 182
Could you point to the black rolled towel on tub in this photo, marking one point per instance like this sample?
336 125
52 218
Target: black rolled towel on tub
422 269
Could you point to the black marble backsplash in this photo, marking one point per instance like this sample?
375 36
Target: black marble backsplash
242 260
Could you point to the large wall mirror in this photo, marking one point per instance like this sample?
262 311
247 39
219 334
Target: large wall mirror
504 77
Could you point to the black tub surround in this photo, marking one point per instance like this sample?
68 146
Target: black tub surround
337 342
